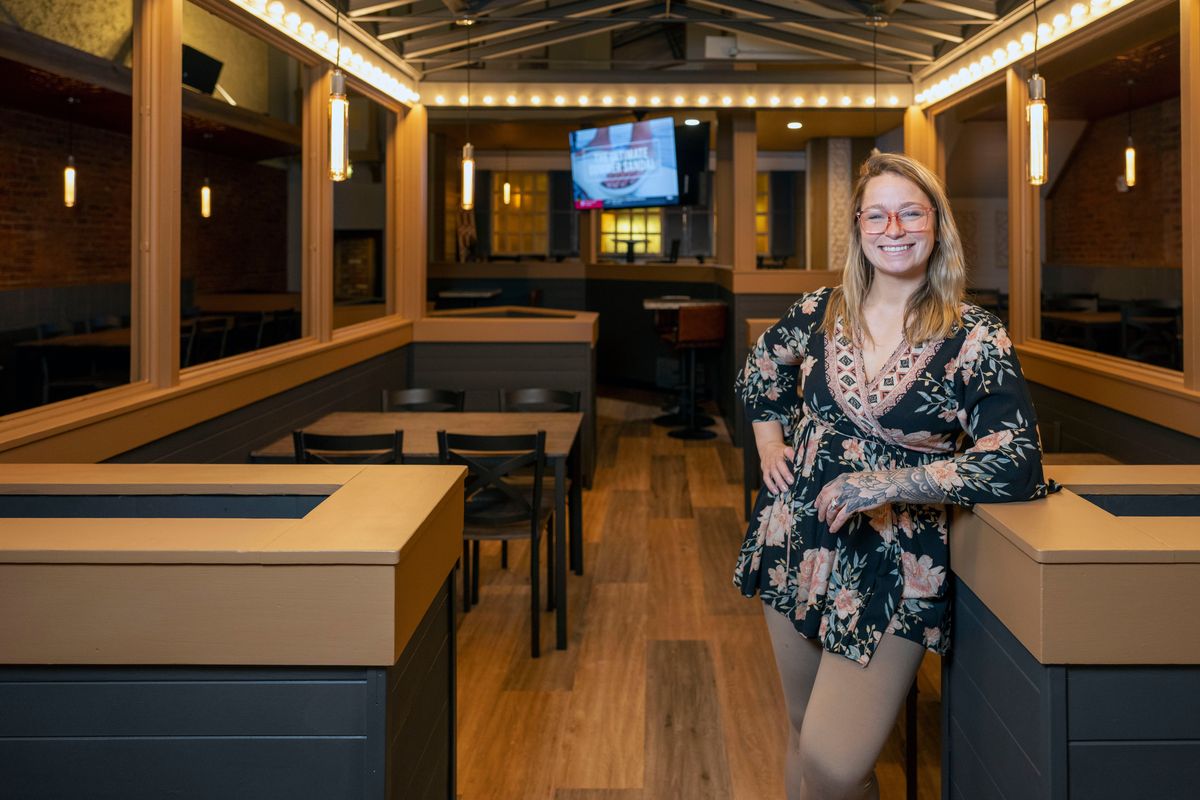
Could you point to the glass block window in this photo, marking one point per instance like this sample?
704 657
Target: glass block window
521 227
762 211
640 226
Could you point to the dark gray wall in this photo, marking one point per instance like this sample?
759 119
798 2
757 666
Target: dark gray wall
230 437
252 733
1071 424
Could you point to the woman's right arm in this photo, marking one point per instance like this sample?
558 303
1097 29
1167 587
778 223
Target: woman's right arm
769 385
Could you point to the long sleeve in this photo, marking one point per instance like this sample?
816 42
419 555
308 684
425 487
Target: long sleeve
779 361
1004 461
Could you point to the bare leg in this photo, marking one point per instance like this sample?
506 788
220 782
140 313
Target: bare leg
849 716
797 659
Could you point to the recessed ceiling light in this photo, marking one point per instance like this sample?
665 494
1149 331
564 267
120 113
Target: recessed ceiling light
795 126
691 121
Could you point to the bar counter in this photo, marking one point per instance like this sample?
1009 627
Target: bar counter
227 630
1074 672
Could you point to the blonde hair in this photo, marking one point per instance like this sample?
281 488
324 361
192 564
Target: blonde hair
933 309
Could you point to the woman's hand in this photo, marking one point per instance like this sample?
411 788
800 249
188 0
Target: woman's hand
847 495
776 461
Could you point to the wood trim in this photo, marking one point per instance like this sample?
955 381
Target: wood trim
1189 64
1150 393
920 137
410 212
317 261
1024 230
157 131
791 282
735 180
105 424
683 273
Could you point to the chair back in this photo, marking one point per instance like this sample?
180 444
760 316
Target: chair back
535 400
701 325
423 400
372 448
492 499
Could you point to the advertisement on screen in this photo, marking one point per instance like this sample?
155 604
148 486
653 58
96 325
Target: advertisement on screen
625 166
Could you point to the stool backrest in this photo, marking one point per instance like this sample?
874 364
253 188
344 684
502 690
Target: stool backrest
701 323
421 399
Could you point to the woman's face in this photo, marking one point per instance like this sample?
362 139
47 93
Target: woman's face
897 251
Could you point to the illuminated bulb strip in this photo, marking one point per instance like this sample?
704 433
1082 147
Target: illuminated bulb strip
615 97
1067 17
1130 164
290 19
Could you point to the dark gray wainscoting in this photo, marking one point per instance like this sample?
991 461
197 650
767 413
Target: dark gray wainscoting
566 293
482 370
1071 424
230 437
258 733
1015 729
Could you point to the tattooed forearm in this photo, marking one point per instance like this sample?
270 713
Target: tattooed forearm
895 486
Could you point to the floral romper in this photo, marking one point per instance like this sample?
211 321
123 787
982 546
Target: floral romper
958 406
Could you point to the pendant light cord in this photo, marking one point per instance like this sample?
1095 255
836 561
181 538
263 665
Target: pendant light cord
337 24
1036 32
875 77
468 83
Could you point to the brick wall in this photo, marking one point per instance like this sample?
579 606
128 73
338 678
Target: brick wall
1089 222
243 247
43 243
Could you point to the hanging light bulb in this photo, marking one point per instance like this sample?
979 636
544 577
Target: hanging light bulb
206 200
468 177
507 186
1130 153
1036 115
468 153
69 169
339 116
69 183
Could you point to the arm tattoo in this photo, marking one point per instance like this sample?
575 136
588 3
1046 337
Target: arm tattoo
872 488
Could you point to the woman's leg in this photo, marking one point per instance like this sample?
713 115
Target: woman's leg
798 660
850 714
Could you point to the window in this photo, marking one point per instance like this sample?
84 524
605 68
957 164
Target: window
762 213
240 248
360 215
521 227
66 160
631 230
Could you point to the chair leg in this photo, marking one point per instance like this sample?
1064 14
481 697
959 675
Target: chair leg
692 429
475 573
466 576
534 599
551 589
504 555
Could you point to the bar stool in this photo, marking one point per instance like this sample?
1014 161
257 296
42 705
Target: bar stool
666 325
701 327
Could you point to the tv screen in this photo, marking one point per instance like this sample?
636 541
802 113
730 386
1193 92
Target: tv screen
625 166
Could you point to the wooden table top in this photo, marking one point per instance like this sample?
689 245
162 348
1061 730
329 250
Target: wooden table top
676 303
421 427
111 337
1085 317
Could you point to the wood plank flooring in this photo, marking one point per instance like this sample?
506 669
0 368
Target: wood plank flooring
669 689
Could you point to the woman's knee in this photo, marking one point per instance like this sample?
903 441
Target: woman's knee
833 773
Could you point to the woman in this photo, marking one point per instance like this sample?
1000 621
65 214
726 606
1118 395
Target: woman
875 405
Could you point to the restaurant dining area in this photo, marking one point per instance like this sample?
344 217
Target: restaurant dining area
455 399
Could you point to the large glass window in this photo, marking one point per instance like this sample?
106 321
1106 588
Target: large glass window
65 206
240 232
975 140
631 231
360 215
1111 245
520 226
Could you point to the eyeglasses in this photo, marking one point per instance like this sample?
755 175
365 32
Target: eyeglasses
912 219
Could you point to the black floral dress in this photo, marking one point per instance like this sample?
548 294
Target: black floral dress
959 406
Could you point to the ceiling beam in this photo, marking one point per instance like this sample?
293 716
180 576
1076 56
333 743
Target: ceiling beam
841 32
360 8
557 35
979 9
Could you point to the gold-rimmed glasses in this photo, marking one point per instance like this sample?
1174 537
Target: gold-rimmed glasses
912 219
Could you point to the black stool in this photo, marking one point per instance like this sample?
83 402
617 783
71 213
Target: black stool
700 327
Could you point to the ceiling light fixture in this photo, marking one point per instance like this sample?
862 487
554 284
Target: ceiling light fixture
339 112
1130 153
69 169
691 122
468 152
795 126
1036 117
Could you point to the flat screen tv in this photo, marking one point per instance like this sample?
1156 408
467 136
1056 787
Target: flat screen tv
625 166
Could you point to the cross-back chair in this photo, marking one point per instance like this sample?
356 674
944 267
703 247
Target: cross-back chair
371 448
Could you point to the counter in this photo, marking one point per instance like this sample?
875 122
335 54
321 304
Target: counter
227 630
1075 669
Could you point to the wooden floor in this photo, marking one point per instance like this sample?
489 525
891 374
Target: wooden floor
668 690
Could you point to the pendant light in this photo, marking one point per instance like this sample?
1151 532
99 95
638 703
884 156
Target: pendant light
876 22
1130 153
507 185
339 111
69 169
205 189
1036 117
468 153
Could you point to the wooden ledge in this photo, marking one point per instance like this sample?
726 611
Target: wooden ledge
494 324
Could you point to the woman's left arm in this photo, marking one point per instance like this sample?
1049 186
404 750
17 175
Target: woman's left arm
1003 464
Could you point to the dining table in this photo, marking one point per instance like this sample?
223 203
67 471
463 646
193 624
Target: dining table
420 429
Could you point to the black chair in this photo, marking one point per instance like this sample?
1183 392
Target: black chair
371 448
672 254
538 400
103 322
499 510
211 339
1150 333
423 400
187 337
